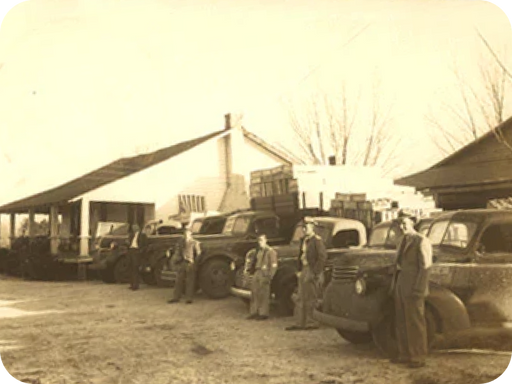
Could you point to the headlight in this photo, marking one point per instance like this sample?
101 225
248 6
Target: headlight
113 245
168 253
360 286
233 266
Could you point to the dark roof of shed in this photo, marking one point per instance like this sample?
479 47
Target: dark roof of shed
102 176
448 172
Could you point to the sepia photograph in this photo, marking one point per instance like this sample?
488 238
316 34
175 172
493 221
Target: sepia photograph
246 192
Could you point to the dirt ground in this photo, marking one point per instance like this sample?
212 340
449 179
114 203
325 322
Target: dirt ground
107 334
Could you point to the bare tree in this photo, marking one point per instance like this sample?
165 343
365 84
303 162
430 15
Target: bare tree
327 125
483 106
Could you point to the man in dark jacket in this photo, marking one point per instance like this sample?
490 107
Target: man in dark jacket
311 262
414 259
185 255
262 264
137 242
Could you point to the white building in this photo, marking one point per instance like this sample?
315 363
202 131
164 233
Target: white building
210 173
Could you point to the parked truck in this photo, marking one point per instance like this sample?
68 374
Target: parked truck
335 232
470 282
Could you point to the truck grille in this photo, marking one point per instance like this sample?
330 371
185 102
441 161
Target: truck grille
344 274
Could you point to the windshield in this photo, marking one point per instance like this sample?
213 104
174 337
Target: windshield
387 236
196 226
237 225
456 234
111 229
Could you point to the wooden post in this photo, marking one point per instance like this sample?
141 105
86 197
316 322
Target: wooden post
12 233
84 228
54 229
31 223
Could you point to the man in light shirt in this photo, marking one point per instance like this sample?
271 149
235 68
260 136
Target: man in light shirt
137 245
414 259
311 262
262 264
186 253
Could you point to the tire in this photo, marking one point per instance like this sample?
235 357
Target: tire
355 337
157 274
107 275
216 278
384 336
286 289
122 270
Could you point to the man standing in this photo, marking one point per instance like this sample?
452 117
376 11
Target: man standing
262 264
311 262
414 259
137 245
185 256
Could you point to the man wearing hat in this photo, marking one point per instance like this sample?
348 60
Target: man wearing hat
414 259
185 256
311 262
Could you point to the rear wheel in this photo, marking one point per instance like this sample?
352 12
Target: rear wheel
215 278
384 333
122 270
355 337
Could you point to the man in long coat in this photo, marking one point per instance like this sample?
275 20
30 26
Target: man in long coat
414 259
137 242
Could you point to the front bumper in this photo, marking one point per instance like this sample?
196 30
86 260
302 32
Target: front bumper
242 293
341 322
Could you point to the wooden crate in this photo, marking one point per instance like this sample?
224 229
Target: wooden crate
358 197
342 197
293 186
256 180
364 205
351 205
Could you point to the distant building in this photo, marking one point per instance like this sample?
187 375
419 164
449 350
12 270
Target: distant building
471 177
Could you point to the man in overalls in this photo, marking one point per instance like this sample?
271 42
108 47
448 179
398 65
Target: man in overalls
414 259
262 264
311 262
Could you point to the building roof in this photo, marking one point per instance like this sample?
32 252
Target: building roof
483 161
118 170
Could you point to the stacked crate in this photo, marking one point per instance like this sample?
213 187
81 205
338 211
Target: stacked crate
353 206
274 190
273 182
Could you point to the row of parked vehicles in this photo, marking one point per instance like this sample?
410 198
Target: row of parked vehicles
470 280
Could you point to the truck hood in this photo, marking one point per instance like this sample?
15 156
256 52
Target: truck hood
363 258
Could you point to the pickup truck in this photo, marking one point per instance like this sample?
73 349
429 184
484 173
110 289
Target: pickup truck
470 283
335 232
225 252
110 253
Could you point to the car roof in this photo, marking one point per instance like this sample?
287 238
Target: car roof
339 223
481 214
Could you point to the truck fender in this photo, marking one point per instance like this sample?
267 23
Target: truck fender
283 274
224 255
449 308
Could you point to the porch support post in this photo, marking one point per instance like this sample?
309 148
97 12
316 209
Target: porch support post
31 223
54 229
84 228
12 233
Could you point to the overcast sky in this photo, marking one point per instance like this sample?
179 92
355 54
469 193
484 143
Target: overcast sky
84 82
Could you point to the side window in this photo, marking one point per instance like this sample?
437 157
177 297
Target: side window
497 239
167 230
267 226
394 236
346 238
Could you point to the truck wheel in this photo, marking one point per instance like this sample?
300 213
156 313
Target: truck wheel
122 270
157 273
284 294
355 337
215 278
384 333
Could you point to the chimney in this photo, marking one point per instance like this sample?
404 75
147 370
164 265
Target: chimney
233 120
332 160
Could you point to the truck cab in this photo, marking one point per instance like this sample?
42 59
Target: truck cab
335 232
470 282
